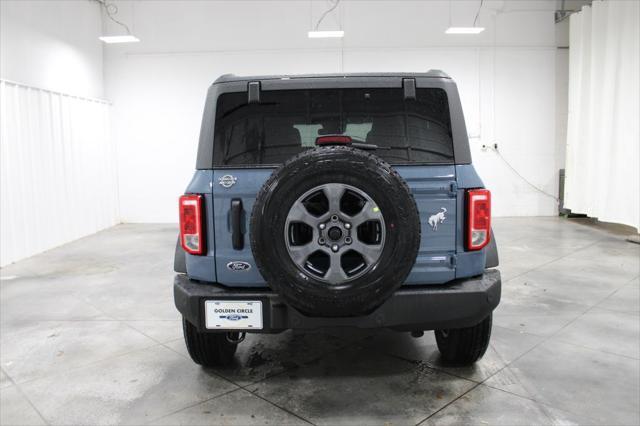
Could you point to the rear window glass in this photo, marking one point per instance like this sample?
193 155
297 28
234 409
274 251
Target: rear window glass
286 122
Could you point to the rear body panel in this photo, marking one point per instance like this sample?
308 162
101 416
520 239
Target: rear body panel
441 257
434 188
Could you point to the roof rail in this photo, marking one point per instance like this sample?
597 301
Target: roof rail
438 73
235 78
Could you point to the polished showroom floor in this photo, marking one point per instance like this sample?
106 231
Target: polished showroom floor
89 335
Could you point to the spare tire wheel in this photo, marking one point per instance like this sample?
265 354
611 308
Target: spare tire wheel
335 231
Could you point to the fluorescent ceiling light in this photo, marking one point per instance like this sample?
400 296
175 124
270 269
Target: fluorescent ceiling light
326 34
119 39
464 30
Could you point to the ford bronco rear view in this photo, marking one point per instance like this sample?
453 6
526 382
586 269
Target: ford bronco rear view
326 201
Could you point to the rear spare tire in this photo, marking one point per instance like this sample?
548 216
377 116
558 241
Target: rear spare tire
335 231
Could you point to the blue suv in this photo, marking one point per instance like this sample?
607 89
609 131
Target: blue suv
335 201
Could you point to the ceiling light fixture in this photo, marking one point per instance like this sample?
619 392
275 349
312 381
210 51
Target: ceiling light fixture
465 30
326 34
111 9
119 39
316 33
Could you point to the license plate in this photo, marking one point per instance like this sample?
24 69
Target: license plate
233 314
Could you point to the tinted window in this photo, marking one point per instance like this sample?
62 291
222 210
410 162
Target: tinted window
286 122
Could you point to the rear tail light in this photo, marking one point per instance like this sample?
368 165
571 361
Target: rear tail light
478 218
191 235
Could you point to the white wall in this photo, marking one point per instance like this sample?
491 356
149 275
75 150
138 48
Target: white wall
57 179
58 174
506 77
52 45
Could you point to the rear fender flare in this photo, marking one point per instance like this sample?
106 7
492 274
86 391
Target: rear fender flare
179 259
492 253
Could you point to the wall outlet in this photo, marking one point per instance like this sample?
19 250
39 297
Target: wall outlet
485 147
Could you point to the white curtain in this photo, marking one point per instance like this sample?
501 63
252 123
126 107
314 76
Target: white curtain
603 140
58 172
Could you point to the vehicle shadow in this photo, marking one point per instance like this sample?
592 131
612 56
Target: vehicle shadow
330 353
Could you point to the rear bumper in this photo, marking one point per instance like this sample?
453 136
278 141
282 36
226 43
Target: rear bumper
460 303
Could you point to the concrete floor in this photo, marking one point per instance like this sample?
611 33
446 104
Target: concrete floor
89 335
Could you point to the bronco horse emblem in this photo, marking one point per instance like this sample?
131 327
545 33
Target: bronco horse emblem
437 218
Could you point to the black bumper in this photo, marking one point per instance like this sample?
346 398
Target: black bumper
460 303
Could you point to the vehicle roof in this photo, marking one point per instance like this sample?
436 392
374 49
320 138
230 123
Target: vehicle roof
226 78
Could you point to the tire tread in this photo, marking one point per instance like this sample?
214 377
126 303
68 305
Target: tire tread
207 349
464 346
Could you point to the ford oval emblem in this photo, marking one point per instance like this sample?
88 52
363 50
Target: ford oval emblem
238 266
234 317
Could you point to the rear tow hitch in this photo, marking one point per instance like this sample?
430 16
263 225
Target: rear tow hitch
236 337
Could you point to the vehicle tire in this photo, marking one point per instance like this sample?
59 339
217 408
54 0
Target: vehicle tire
464 346
378 235
208 349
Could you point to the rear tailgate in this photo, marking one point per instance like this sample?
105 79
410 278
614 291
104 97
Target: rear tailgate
432 186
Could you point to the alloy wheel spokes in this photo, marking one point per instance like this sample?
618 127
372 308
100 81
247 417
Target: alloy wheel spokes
327 243
334 193
299 254
335 274
370 252
369 212
299 213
